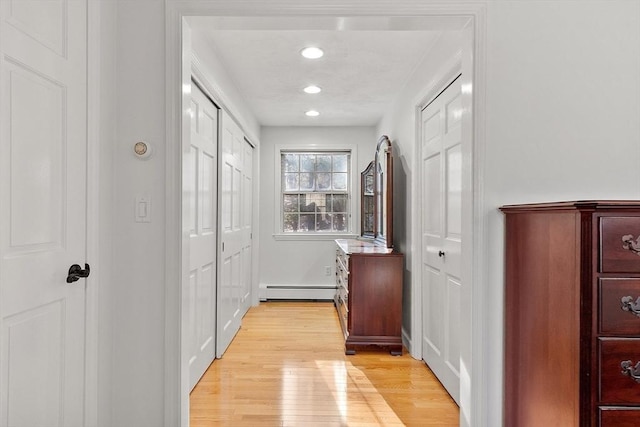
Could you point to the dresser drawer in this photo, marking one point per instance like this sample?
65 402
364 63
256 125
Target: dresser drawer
618 417
343 294
617 387
620 244
619 312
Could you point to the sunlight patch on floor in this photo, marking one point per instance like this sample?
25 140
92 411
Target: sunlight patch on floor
355 398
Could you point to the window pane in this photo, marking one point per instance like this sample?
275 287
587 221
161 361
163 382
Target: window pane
323 163
291 182
323 222
307 222
339 181
307 204
340 163
339 222
290 162
307 162
307 182
291 203
324 181
318 201
290 222
339 203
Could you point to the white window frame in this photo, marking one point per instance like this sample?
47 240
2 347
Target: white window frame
352 199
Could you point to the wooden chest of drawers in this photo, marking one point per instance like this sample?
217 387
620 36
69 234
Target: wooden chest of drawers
369 295
572 316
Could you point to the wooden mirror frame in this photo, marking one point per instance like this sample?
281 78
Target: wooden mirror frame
380 170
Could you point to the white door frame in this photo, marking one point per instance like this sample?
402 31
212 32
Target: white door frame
473 347
94 196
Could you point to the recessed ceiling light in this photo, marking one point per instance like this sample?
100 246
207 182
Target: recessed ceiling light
312 113
312 89
312 52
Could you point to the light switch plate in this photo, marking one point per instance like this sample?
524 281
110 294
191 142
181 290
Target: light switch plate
143 209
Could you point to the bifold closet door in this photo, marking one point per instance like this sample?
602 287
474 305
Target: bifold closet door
233 267
201 192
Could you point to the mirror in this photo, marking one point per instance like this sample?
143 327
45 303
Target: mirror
368 211
377 195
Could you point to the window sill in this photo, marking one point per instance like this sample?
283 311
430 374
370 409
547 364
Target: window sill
313 237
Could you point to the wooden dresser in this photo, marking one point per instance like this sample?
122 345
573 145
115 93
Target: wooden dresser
369 295
572 314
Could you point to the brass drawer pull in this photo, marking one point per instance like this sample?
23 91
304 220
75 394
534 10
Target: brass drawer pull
632 371
629 244
629 305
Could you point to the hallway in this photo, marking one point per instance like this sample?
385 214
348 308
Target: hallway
286 367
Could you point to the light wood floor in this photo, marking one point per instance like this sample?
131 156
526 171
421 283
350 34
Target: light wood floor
286 367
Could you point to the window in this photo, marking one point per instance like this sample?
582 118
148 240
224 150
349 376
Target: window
315 191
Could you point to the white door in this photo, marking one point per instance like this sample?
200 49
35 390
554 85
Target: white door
442 236
201 191
43 176
231 234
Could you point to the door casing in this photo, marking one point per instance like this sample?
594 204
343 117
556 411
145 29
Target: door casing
471 19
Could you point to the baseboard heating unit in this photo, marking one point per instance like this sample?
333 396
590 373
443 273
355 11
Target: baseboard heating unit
296 292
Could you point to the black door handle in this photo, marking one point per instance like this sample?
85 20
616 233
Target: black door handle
76 272
440 253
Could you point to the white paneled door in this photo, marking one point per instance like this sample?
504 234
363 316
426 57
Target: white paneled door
201 192
442 236
235 211
43 209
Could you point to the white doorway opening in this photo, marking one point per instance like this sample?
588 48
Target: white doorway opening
468 18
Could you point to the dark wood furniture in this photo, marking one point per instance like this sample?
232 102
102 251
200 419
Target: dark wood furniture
369 295
369 273
572 316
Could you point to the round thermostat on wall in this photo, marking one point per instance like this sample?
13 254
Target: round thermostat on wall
142 150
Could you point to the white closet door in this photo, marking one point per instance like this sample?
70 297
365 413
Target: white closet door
43 175
201 179
232 263
442 236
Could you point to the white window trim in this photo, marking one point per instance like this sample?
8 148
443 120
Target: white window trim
354 202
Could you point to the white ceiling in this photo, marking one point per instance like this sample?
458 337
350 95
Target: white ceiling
366 63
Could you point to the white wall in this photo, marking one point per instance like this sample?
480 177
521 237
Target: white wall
562 122
139 248
303 262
